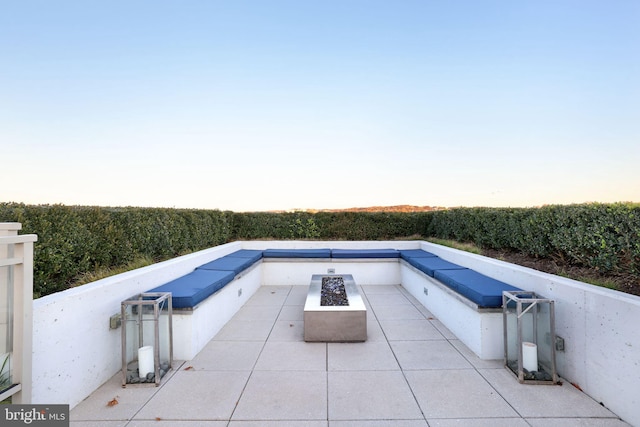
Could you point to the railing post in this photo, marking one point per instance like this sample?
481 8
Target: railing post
16 255
23 322
9 229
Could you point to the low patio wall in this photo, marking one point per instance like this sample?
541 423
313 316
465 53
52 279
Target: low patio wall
285 271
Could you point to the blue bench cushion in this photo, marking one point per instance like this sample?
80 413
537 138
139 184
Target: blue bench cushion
365 253
297 253
429 265
254 254
415 253
228 263
481 289
187 291
236 261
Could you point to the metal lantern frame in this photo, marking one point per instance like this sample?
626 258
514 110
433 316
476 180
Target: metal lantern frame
522 303
140 305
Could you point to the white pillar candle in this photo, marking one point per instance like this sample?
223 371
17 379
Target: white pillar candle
145 360
529 356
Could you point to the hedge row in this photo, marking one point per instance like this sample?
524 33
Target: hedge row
605 237
76 239
329 225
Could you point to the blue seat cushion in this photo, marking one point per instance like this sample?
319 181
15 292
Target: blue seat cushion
415 253
429 265
254 254
235 261
187 291
365 253
481 289
228 263
297 253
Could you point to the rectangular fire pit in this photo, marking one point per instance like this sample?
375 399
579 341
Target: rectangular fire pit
327 318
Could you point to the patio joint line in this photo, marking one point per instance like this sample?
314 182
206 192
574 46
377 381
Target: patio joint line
253 367
384 334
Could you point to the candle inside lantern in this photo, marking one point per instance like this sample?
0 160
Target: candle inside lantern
529 356
145 360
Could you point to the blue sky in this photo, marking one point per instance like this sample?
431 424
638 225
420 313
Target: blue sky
263 105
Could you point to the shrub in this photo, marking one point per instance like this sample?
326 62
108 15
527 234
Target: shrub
74 240
605 237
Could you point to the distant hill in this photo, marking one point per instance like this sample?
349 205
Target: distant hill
398 208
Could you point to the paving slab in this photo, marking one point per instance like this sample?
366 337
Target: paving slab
379 423
397 312
98 423
270 395
196 395
379 300
474 359
433 354
228 356
533 401
457 393
113 402
97 408
374 331
244 330
371 395
366 356
297 295
258 312
576 422
174 423
287 330
293 356
478 422
292 312
410 330
269 295
381 289
443 329
279 423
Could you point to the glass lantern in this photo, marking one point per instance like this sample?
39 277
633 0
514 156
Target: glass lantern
529 337
147 338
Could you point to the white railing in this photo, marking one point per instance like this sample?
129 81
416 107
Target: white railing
16 306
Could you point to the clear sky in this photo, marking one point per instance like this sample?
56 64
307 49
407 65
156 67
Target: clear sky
264 105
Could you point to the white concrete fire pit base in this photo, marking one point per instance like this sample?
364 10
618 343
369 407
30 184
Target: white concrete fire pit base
328 323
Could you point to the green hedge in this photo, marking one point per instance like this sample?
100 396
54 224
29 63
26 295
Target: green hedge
76 239
605 237
329 225
371 225
73 240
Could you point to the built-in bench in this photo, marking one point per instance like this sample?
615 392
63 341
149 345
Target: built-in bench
465 301
191 289
482 290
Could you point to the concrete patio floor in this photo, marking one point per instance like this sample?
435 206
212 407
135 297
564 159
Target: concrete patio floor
258 371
